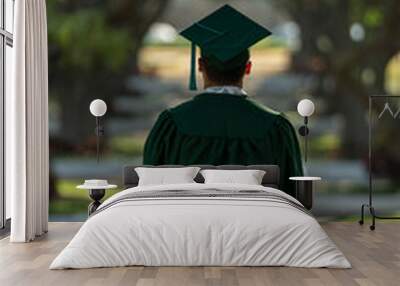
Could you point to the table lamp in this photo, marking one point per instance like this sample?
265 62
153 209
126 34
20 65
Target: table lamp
98 108
305 108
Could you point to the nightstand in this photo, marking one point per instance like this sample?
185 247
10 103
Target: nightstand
97 190
304 190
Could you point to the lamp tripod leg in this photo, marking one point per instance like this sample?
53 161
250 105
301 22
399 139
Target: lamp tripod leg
372 211
361 221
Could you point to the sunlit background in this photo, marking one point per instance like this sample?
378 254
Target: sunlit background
129 53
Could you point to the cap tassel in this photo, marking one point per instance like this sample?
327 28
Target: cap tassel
192 80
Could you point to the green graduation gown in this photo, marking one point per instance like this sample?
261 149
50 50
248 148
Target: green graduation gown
221 129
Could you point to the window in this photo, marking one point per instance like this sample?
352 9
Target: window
6 60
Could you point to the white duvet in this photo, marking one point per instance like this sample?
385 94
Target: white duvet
200 231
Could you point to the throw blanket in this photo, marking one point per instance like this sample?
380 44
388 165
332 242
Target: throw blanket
205 194
199 225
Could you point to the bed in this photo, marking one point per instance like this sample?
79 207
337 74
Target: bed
198 224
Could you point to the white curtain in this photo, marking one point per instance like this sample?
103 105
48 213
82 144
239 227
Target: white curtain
27 149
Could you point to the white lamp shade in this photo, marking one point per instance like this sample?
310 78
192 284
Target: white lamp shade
98 107
305 107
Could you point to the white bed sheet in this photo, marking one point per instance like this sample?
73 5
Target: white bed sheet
206 231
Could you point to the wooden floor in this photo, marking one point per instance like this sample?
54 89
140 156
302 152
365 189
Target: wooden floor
375 257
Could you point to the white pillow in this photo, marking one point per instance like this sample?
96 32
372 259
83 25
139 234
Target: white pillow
165 176
248 177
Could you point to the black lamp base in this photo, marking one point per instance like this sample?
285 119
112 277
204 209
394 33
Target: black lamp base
96 195
304 193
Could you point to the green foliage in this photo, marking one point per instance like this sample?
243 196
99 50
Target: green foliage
127 145
270 42
72 200
68 206
84 39
373 17
324 144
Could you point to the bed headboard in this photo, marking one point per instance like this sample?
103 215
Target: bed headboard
270 179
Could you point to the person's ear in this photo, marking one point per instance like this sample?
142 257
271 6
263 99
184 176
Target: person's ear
200 63
248 68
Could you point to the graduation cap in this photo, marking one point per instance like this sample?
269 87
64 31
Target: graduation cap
224 37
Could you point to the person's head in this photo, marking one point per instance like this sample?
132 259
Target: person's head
217 73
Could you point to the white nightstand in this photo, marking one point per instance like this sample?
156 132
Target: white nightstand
97 191
304 190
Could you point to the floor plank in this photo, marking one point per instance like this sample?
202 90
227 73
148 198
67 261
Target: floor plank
375 257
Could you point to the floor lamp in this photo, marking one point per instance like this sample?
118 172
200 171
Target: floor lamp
98 108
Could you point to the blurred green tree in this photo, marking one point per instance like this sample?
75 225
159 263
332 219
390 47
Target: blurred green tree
348 45
93 48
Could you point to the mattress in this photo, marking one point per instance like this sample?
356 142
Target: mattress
201 225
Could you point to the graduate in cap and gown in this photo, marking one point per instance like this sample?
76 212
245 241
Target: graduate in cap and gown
222 125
